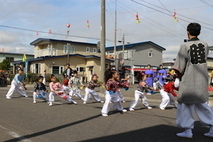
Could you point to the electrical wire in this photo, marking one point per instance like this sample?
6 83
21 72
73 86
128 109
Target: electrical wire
169 15
159 26
15 9
206 3
170 11
30 30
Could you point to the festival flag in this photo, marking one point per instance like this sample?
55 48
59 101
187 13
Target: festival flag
88 24
175 17
24 58
137 18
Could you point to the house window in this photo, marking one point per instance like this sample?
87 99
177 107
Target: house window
37 68
10 59
57 69
68 49
80 69
150 54
88 49
65 50
94 50
71 49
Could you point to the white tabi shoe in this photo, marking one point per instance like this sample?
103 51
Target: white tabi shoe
103 114
186 134
8 98
210 133
161 108
149 107
131 109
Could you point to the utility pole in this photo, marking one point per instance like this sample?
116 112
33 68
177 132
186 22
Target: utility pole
103 39
123 43
68 53
115 37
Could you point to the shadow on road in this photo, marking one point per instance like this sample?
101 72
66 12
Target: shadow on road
52 129
160 133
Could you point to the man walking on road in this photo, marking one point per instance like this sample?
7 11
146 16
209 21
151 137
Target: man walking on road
193 94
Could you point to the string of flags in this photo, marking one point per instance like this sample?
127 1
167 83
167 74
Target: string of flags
88 24
137 18
175 17
68 26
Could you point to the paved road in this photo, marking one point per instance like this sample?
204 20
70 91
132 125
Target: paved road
21 120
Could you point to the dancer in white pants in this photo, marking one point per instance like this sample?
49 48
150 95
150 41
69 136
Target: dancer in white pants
111 94
89 90
168 94
74 83
66 86
140 93
56 89
18 85
39 90
167 99
191 63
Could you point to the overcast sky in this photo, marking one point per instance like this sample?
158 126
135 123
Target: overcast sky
156 25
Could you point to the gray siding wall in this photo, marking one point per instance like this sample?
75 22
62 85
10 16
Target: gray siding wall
140 56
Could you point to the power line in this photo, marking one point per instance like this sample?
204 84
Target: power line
159 26
30 30
171 11
170 15
15 9
206 3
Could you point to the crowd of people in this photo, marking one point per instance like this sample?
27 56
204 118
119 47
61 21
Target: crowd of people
189 78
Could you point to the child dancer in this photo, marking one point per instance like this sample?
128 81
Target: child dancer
90 90
66 86
168 94
111 94
57 89
39 90
140 93
18 85
75 82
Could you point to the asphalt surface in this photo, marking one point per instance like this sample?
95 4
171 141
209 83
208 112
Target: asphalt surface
21 120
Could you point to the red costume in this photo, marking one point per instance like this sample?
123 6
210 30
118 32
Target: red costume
169 87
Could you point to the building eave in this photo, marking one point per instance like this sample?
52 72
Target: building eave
126 46
48 40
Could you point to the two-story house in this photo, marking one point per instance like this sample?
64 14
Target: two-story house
52 55
137 56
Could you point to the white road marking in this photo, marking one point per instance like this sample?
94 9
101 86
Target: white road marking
15 135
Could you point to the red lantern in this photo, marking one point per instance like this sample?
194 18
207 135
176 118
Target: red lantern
68 25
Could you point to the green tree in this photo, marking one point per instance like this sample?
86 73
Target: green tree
5 65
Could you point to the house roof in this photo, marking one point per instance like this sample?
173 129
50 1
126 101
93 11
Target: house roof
16 53
51 57
39 40
135 44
